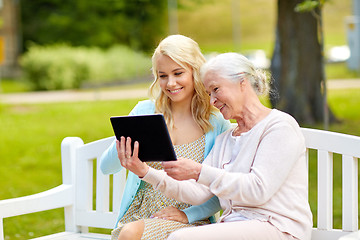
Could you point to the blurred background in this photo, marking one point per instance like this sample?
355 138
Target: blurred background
76 47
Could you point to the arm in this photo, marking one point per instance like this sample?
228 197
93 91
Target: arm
109 161
203 211
183 191
187 191
278 149
212 206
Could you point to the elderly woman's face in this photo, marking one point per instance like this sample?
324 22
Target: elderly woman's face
224 94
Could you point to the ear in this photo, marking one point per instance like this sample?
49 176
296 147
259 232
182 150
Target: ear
243 83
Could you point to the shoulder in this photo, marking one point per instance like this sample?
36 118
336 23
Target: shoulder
278 117
143 107
281 122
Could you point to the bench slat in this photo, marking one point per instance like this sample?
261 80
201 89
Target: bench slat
119 180
102 190
349 193
325 190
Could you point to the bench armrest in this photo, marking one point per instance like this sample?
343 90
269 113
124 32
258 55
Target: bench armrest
57 197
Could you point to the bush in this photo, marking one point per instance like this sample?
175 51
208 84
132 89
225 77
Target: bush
65 67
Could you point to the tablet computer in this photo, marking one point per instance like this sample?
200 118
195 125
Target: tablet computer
150 131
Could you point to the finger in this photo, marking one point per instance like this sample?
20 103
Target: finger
169 164
128 147
169 168
136 149
158 215
120 148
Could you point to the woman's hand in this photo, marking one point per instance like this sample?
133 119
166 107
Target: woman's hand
130 160
182 169
172 213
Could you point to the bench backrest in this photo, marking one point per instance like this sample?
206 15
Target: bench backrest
348 147
98 196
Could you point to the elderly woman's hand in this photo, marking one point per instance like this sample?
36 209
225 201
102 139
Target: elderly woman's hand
130 160
182 169
172 213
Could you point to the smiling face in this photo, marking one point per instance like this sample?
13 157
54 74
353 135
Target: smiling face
175 81
224 94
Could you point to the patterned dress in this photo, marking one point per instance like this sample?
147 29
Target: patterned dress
148 201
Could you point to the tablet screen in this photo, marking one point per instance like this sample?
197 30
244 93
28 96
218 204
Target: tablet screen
150 131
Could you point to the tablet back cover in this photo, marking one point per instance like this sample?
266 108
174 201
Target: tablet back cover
150 131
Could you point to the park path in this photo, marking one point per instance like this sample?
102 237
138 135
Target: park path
97 94
71 96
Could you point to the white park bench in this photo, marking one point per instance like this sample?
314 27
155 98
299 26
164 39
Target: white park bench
76 195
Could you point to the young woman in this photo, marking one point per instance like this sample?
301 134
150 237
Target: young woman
178 93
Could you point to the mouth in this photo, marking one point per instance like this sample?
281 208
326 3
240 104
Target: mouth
221 107
175 90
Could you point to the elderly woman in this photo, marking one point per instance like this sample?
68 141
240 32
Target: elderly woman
257 170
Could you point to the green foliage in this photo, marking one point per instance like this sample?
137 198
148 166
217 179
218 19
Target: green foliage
138 23
65 67
308 5
256 24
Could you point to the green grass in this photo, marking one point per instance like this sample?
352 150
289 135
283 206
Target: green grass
12 85
30 138
340 71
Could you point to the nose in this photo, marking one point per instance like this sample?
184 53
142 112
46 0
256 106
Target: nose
212 99
171 82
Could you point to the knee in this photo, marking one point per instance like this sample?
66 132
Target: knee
132 231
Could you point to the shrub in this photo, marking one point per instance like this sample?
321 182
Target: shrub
65 67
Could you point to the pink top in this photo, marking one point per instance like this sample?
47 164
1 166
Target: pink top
261 175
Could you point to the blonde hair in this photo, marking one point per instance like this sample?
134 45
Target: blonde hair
185 52
234 66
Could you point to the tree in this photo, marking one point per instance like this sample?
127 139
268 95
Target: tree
298 63
138 23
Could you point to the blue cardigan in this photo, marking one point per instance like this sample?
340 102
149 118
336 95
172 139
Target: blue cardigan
110 164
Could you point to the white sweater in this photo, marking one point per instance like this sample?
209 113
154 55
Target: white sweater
260 175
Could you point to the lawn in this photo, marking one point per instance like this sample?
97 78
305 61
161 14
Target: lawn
30 137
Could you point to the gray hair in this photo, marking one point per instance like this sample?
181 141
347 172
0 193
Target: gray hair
234 67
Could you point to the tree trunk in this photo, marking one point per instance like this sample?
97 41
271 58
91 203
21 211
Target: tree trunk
297 65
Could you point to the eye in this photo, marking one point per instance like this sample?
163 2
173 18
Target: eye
216 89
162 76
178 73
